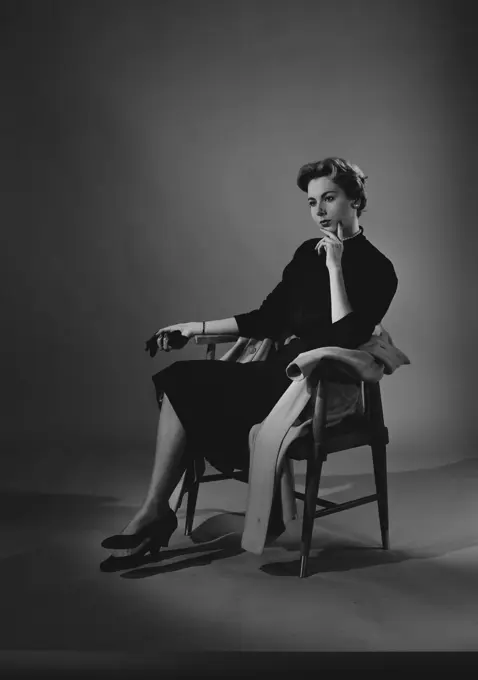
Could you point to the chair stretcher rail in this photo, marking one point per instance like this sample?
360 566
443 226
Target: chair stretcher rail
346 506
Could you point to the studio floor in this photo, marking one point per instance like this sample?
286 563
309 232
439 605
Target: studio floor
204 593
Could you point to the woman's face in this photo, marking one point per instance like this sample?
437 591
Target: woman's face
329 204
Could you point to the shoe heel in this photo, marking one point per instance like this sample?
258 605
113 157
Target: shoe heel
155 547
162 542
173 525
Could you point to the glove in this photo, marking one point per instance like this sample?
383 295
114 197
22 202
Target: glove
175 340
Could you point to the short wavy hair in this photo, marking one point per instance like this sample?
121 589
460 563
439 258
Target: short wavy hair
346 175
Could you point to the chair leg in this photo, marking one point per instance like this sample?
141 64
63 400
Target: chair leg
191 507
195 472
379 455
314 470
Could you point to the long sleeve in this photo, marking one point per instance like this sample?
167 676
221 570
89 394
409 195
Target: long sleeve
370 303
301 305
268 320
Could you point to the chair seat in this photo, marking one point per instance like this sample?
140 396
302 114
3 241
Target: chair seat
353 431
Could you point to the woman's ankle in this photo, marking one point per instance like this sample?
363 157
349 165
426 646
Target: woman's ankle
155 510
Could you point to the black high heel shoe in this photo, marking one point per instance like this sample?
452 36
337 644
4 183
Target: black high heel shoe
159 531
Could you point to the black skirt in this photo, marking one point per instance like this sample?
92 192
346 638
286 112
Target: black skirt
218 402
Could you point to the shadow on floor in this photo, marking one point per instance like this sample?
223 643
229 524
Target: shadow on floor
443 494
220 549
337 559
214 545
55 598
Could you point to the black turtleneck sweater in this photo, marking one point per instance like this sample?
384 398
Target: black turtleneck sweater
301 305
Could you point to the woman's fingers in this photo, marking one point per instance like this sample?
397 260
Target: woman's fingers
162 340
337 235
321 245
163 335
340 231
166 346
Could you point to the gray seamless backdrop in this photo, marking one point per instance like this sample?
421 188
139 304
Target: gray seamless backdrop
149 157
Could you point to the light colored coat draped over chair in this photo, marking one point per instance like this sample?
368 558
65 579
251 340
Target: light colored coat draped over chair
291 418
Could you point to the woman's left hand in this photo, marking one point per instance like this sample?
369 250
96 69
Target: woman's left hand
333 245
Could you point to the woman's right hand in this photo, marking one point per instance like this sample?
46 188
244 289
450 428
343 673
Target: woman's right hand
187 330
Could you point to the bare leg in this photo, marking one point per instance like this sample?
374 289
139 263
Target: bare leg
167 469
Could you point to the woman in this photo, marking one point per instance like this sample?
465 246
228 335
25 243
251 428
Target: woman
333 292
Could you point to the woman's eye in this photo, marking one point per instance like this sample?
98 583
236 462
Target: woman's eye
331 198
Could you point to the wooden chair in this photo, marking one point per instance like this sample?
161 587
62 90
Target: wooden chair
367 429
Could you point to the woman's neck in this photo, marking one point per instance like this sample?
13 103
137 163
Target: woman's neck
352 229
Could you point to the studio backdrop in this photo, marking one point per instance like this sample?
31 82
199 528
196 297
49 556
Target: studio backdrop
150 152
